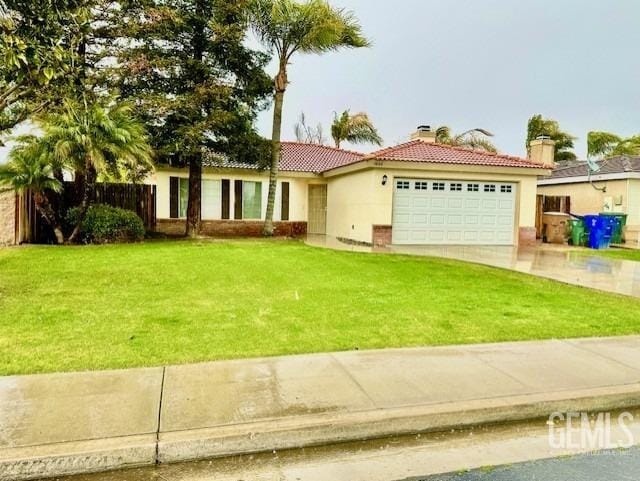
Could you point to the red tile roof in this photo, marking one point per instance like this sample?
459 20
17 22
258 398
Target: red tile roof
419 151
299 157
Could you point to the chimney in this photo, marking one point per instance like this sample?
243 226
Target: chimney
424 134
542 151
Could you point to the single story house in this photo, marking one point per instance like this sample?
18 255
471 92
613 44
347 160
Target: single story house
614 188
419 192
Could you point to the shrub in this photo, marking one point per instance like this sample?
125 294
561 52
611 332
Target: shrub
104 224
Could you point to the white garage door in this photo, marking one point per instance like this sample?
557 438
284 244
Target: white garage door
428 211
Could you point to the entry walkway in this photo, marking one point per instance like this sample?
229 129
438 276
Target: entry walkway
579 267
81 422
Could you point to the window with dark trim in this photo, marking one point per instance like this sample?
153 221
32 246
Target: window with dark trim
284 203
251 200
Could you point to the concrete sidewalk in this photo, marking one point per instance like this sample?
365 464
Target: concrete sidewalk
81 422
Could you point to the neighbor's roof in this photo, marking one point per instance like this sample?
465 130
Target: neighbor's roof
419 151
614 165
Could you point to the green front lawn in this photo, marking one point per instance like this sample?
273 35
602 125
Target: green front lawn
623 254
75 308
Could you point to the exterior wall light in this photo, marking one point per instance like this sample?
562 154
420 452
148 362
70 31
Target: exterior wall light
385 178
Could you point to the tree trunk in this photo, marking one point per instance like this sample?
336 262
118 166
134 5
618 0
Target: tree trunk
194 205
48 214
89 180
281 86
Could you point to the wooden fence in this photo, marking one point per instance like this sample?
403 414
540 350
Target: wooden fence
138 198
550 203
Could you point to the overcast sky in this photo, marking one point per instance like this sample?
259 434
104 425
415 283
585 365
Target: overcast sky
478 63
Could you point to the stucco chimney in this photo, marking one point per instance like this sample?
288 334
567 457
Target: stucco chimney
424 134
543 151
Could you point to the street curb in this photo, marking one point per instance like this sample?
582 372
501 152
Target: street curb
280 434
59 459
27 463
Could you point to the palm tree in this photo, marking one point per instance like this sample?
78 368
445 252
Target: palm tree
538 126
605 144
30 169
95 138
357 129
287 27
474 139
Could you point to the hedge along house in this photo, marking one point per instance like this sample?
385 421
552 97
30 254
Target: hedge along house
419 192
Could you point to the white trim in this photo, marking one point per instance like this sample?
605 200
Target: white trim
594 178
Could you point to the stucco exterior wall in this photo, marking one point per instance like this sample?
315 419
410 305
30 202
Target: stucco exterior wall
358 201
587 200
297 191
633 209
621 196
7 218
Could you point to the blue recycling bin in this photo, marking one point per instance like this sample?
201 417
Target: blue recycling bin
601 230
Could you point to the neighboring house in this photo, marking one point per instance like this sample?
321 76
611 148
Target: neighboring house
418 192
614 188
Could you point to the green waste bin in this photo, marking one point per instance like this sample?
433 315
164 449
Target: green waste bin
621 222
577 232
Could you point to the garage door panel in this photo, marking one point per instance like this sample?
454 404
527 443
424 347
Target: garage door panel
453 212
437 219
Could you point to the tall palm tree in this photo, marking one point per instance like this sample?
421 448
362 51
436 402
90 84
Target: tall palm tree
95 138
30 169
287 27
473 139
605 144
357 129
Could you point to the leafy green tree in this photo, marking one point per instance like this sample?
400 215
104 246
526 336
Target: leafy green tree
194 81
474 139
287 27
93 139
30 169
605 144
38 48
538 126
357 129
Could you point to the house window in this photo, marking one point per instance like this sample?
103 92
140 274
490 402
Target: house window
505 189
251 200
473 187
421 185
183 197
455 187
402 185
489 188
438 186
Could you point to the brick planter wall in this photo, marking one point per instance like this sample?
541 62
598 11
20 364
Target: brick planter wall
527 237
382 235
232 228
7 218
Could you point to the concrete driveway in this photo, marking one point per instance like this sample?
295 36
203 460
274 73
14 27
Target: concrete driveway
580 267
